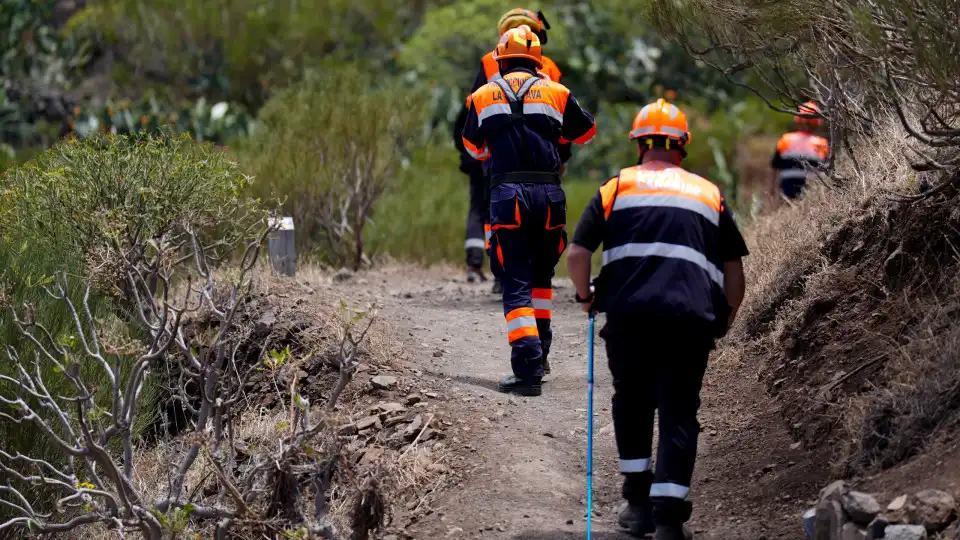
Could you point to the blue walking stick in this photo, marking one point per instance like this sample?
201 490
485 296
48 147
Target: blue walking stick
590 425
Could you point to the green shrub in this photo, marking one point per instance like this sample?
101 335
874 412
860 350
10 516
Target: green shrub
83 202
80 205
216 123
240 50
329 148
422 217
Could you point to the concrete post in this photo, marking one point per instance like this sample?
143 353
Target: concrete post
281 247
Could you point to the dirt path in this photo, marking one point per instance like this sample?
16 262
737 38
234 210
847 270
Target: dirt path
523 459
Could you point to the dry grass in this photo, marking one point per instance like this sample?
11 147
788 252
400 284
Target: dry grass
401 477
785 244
850 315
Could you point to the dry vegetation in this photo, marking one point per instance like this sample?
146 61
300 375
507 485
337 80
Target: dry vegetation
353 478
851 318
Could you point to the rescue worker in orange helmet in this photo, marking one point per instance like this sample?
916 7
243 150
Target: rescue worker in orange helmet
797 153
478 226
671 283
516 123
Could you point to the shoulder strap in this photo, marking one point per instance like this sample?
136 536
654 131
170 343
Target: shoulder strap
516 98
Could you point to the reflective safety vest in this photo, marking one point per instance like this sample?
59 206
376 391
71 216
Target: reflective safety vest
521 98
491 69
797 149
661 253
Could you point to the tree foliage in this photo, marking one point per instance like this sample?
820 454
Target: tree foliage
329 148
239 50
860 59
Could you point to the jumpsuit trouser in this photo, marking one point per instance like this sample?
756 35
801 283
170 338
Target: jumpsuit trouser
478 219
657 366
528 236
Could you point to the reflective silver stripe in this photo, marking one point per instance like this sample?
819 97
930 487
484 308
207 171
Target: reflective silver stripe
669 201
661 249
495 77
790 174
641 130
478 155
675 491
634 465
488 234
673 131
492 110
521 322
542 303
475 243
542 108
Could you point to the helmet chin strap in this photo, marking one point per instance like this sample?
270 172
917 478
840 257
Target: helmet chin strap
649 146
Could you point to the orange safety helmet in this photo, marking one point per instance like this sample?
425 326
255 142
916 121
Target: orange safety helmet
519 42
661 118
809 107
517 17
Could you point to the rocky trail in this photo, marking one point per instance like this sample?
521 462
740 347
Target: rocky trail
522 460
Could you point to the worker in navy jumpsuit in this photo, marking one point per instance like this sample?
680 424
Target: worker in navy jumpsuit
517 122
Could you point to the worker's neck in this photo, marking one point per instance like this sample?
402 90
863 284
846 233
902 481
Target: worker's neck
505 70
672 157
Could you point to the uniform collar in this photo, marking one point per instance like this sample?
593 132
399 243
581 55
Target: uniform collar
658 164
519 70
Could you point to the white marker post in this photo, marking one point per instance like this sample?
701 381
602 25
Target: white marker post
281 247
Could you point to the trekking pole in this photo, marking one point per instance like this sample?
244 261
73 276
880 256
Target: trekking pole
590 425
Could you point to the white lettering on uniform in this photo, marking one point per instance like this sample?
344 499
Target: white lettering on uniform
669 180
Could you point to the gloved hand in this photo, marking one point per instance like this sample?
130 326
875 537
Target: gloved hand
586 304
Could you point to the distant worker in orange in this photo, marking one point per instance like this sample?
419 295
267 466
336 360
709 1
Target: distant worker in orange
478 219
671 284
798 153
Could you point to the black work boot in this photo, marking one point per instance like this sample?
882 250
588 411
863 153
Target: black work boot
511 384
637 519
673 532
545 365
475 275
497 287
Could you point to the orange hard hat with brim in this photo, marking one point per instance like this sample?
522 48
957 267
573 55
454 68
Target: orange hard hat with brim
661 118
809 107
520 42
517 17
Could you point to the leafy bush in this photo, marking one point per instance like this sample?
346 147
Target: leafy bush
37 64
422 216
240 50
82 203
217 123
83 207
330 148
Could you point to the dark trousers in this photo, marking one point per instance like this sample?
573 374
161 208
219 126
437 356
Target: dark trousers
477 219
791 187
528 224
657 366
